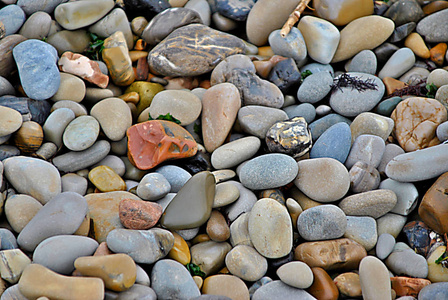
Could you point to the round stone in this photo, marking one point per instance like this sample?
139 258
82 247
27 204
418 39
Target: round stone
246 263
114 116
296 274
315 87
323 222
293 45
11 120
81 133
20 209
71 88
153 186
175 175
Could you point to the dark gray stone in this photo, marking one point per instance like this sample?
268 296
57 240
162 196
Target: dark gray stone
285 74
319 126
434 27
335 143
235 9
401 32
404 11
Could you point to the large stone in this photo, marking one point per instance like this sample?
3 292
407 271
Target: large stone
374 203
246 263
270 228
192 205
374 278
203 47
433 209
365 33
153 142
227 286
434 27
75 15
232 154
416 120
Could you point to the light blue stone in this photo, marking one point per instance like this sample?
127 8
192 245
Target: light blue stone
175 175
13 17
319 126
315 87
293 45
335 143
306 110
36 63
363 62
438 290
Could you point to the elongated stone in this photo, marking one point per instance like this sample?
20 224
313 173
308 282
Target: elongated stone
75 15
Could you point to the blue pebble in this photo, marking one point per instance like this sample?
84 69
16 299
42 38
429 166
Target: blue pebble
8 239
319 126
175 175
438 290
12 17
38 72
237 10
335 143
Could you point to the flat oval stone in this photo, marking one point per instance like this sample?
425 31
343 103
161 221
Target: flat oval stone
71 88
261 172
433 27
56 123
246 263
34 177
321 37
296 274
277 288
12 16
406 262
58 253
78 160
114 116
37 26
37 281
36 63
385 245
232 154
372 203
152 142
350 102
256 120
265 17
434 290
315 87
105 179
365 33
118 271
73 16
192 205
335 143
210 256
339 255
63 214
11 120
144 246
227 286
293 45
20 209
323 222
182 105
418 165
81 133
207 56
166 22
323 179
400 62
374 278
270 228
170 279
363 62
221 103
217 228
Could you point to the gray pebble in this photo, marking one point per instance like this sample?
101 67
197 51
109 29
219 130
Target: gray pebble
175 175
323 222
315 87
385 245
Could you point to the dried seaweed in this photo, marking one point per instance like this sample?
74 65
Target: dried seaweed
418 89
354 82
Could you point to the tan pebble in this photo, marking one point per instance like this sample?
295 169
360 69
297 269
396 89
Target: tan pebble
136 54
132 97
200 238
180 250
415 42
10 120
349 284
116 56
217 228
294 210
437 272
435 6
102 250
12 264
265 51
106 179
226 285
20 209
37 281
199 281
341 12
118 271
84 228
393 84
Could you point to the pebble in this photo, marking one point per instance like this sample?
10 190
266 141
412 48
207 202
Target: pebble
13 263
70 88
315 87
224 156
319 126
323 222
323 286
296 274
293 45
153 186
363 62
169 279
385 245
416 43
217 120
20 209
321 38
175 176
12 16
277 288
139 215
217 228
334 143
58 253
434 291
400 62
362 230
322 179
366 148
407 195
239 231
371 123
342 12
256 120
374 278
432 209
391 223
348 284
180 251
11 120
436 272
261 172
372 203
271 241
227 286
365 33
305 110
68 14
430 27
105 179
114 117
63 214
36 59
246 263
406 262
210 256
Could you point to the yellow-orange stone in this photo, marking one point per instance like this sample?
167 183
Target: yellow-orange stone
438 53
341 12
118 271
416 120
415 42
393 84
106 179
180 251
29 137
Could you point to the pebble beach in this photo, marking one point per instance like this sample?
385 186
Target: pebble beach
223 149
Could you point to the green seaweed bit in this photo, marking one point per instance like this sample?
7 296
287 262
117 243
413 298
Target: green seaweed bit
305 74
195 270
442 258
345 80
96 46
167 117
432 89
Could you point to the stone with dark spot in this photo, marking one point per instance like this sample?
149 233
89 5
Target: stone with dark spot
144 7
404 11
235 9
285 74
193 50
153 142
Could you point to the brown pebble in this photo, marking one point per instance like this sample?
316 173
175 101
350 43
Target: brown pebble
393 84
142 69
323 287
406 286
139 214
29 137
217 228
434 7
438 53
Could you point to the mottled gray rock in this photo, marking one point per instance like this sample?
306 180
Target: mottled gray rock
279 290
175 175
315 87
323 222
438 290
362 230
434 27
32 6
366 148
